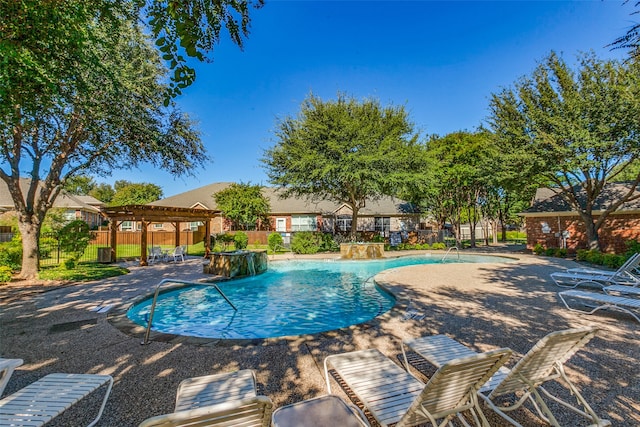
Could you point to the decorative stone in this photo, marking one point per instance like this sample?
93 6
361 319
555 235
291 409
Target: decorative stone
237 263
361 250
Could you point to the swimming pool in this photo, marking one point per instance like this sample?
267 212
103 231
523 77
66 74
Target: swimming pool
292 298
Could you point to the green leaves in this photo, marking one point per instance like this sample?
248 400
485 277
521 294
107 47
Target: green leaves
244 205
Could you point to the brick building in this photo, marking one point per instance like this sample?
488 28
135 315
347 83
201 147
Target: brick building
551 222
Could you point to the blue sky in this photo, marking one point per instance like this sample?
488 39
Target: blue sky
441 60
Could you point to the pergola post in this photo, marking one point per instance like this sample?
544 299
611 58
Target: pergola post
143 244
113 229
177 225
207 238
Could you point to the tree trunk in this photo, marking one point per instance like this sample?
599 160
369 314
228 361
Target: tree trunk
591 232
30 233
354 223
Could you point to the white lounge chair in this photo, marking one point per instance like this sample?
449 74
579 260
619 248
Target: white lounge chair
178 252
603 301
327 410
394 396
42 401
7 366
543 363
626 275
217 400
155 254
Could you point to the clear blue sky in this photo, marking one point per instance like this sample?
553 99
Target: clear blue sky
441 60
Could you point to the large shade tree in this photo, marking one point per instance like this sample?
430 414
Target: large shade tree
94 105
244 205
574 131
344 150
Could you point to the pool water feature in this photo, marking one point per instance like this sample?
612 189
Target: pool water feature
292 298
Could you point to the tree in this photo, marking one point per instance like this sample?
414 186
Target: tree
129 193
344 150
103 192
244 205
459 179
44 42
80 185
631 39
573 131
99 116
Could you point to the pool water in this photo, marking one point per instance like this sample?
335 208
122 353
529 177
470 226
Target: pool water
292 298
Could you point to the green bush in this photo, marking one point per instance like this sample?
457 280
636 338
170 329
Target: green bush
613 260
633 247
425 246
377 239
581 254
11 255
225 239
550 251
5 274
538 249
69 264
438 246
274 241
305 242
241 240
328 244
560 253
46 246
74 238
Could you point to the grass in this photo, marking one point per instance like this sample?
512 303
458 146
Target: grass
84 272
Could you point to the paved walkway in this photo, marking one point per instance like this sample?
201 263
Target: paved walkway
486 306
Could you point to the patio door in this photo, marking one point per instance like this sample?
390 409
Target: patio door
281 224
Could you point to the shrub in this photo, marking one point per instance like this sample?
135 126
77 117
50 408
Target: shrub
74 239
560 253
5 274
550 251
594 257
241 240
538 249
633 247
274 241
377 239
69 264
581 254
225 239
305 242
46 246
328 244
438 246
612 260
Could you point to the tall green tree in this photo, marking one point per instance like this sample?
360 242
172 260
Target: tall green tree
344 150
244 205
132 193
459 179
103 192
574 131
99 115
80 185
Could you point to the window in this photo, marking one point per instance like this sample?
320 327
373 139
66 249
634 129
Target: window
382 223
126 226
303 223
281 224
343 224
158 225
193 226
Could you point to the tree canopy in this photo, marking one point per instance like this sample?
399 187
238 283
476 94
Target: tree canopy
132 193
344 150
98 117
573 130
244 206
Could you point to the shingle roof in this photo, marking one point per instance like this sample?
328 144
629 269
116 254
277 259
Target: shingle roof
290 205
549 200
64 199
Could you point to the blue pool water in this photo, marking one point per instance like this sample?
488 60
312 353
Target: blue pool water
292 298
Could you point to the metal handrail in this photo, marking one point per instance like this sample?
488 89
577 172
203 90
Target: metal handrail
449 250
183 282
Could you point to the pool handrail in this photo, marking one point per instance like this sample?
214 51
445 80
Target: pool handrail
449 250
183 282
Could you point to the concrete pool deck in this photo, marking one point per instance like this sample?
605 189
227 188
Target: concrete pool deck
485 306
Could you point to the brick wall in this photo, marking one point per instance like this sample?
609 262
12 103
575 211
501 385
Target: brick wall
613 234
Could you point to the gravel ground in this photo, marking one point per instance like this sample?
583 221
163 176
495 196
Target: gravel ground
484 306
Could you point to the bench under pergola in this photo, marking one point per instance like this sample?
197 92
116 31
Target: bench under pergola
148 214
